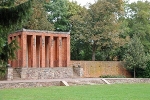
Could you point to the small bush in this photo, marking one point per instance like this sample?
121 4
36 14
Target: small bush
112 76
2 73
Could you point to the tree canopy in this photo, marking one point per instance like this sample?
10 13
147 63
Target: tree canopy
13 17
135 56
58 14
39 17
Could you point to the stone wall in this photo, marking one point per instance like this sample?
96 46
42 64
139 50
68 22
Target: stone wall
6 85
79 81
47 73
10 73
78 71
101 68
128 80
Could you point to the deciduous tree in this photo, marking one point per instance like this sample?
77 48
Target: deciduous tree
101 25
135 56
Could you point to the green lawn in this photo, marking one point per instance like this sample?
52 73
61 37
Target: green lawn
87 92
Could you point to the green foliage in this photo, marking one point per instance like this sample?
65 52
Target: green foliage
12 18
144 73
3 73
135 56
7 2
112 76
38 19
99 25
58 14
138 14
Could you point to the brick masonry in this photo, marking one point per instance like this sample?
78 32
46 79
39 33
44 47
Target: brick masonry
46 55
101 68
41 49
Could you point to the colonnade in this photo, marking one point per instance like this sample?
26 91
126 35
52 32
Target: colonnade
40 49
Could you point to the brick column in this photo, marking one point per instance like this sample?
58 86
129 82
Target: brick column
19 51
68 50
59 51
24 49
51 52
9 41
33 47
42 51
13 60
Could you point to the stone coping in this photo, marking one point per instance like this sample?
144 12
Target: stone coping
79 79
42 31
71 81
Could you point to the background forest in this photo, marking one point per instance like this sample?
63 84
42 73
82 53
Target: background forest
108 30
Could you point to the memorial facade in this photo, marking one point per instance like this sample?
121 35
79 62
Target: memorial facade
41 49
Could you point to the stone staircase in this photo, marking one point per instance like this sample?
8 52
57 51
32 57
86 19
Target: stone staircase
16 75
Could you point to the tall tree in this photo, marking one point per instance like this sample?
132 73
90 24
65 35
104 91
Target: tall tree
58 14
101 24
138 18
39 16
135 56
13 16
80 50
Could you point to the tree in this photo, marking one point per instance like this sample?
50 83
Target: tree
39 17
58 14
80 50
101 24
135 56
138 18
13 17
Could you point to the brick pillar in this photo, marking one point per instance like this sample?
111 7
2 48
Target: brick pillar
33 49
59 51
68 50
13 60
19 51
9 41
51 52
24 49
42 51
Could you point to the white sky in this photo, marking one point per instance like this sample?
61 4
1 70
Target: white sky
84 2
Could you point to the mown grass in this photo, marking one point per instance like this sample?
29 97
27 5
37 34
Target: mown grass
87 92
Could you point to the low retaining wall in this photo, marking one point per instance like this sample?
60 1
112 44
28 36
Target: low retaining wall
21 84
101 68
47 73
128 80
79 81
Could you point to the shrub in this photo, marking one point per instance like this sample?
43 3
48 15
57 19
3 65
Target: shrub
3 73
112 76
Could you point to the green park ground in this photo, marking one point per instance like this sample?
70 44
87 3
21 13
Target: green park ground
86 92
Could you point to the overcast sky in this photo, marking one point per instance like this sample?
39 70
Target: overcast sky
84 2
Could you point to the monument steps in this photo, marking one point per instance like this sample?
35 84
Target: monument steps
16 75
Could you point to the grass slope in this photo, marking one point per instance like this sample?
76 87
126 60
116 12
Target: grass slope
87 92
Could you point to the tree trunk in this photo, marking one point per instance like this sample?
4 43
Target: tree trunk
93 56
93 52
134 73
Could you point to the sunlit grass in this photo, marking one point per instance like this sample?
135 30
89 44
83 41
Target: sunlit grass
87 92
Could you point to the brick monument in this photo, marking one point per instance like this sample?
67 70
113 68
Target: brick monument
41 49
46 55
